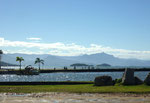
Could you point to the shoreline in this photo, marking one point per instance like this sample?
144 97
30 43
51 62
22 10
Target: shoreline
77 70
46 83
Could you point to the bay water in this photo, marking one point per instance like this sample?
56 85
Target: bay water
74 76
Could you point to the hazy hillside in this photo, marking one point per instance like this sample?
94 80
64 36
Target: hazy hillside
58 61
28 58
7 64
94 59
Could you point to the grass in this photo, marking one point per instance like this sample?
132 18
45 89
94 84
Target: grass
84 88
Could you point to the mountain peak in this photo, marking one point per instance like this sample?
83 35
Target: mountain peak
102 54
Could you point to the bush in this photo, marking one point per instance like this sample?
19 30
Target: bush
118 80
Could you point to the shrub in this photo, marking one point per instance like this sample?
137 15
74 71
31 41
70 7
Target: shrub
118 81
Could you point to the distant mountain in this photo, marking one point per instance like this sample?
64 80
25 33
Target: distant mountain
101 58
57 61
94 58
7 64
28 58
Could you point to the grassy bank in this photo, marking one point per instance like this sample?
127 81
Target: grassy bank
83 88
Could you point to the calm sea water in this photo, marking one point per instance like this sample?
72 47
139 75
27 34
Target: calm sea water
86 76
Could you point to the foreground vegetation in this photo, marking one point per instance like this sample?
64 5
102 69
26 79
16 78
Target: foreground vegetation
83 88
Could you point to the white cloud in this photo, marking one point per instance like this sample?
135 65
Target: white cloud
25 51
69 49
36 39
1 41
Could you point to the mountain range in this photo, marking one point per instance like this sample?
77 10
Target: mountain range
7 64
60 61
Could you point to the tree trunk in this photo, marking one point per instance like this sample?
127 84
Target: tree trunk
39 66
20 66
0 64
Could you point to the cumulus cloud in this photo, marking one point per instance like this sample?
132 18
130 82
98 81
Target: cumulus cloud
36 39
72 49
1 41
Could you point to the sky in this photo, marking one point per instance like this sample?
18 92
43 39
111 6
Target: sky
76 27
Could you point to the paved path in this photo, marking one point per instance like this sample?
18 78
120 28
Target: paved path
73 98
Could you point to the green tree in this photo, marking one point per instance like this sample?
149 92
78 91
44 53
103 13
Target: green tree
39 61
1 52
20 59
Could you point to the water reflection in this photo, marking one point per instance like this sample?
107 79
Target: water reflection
86 76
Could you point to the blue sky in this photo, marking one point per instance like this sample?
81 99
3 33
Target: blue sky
74 27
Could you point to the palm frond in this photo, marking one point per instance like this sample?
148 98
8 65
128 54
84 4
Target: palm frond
19 59
38 60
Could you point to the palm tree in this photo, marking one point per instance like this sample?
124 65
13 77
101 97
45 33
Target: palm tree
39 61
20 59
1 52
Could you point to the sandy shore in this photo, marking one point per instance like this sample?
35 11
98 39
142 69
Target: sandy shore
73 98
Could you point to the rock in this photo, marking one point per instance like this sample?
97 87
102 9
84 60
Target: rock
137 81
147 79
128 77
103 81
